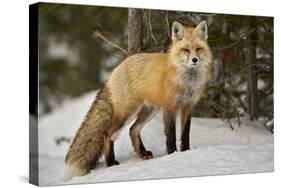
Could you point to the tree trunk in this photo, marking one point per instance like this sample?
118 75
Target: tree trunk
135 29
252 75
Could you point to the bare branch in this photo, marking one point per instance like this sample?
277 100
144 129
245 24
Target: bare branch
97 34
207 14
236 95
238 119
167 22
147 26
238 40
150 27
230 124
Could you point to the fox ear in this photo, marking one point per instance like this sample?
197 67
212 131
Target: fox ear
202 30
177 31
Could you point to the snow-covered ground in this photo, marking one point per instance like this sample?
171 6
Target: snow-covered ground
215 148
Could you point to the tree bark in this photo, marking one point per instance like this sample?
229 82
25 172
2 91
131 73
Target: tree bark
135 30
252 75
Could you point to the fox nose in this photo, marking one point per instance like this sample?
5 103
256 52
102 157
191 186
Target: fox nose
194 60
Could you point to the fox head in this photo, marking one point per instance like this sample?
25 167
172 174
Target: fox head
189 47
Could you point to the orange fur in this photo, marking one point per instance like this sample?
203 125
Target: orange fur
141 84
152 77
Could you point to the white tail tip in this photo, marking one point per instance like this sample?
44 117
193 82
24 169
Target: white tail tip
71 171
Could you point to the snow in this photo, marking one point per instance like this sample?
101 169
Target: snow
215 148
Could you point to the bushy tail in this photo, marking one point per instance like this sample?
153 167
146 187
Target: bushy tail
87 145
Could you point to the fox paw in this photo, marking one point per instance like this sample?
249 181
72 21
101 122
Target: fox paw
113 163
146 155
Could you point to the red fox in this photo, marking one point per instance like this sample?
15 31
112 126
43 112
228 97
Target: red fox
140 85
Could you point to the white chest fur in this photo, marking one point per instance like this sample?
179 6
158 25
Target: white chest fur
190 81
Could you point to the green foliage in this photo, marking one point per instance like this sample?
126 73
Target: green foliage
80 69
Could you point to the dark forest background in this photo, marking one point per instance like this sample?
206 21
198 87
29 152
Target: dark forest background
80 45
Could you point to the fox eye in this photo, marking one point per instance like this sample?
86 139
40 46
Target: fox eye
198 49
185 50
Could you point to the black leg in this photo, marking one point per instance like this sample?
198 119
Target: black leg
109 142
170 131
185 132
110 157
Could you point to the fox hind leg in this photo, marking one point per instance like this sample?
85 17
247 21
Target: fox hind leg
145 114
109 155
